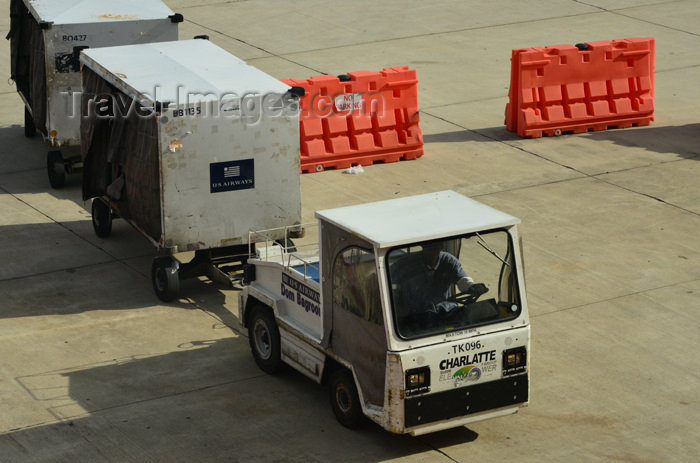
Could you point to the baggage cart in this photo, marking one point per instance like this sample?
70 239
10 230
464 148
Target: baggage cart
193 147
46 38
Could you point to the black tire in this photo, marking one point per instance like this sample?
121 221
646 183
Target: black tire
101 218
29 127
287 244
345 401
56 168
165 278
264 337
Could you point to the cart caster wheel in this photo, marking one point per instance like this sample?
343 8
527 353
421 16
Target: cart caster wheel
166 282
56 168
101 218
29 127
287 244
345 400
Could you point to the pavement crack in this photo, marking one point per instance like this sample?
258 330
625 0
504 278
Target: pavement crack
167 396
640 193
257 47
438 450
111 257
580 172
615 298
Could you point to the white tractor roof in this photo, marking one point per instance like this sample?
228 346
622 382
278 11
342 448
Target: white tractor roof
416 218
94 11
179 71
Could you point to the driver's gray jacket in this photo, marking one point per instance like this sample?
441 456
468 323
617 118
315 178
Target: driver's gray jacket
421 287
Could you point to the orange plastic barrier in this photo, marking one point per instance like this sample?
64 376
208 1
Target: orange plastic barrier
591 86
359 118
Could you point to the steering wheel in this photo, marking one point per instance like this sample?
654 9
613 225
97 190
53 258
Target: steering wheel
466 298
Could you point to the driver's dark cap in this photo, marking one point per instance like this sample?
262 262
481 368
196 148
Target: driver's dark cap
433 246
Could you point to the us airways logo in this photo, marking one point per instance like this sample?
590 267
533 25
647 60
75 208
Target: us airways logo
232 171
232 175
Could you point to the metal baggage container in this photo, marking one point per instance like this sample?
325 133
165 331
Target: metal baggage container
46 39
193 147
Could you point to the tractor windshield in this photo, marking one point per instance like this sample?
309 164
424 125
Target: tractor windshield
453 284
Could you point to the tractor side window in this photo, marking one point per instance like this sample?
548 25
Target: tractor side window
355 284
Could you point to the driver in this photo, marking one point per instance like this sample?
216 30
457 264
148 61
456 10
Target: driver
425 279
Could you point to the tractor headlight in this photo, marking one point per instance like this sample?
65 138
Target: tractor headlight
417 380
514 360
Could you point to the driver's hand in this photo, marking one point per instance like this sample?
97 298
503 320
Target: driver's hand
477 289
434 308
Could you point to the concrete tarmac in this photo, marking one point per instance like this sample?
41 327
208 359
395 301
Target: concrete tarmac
93 367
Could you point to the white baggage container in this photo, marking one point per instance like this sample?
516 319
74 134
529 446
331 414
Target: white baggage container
192 146
46 39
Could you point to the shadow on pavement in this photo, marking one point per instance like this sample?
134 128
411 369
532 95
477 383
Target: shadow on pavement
207 394
683 140
478 135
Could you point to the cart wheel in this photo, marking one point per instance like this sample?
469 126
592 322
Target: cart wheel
101 218
345 400
264 338
29 127
287 244
166 282
56 168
